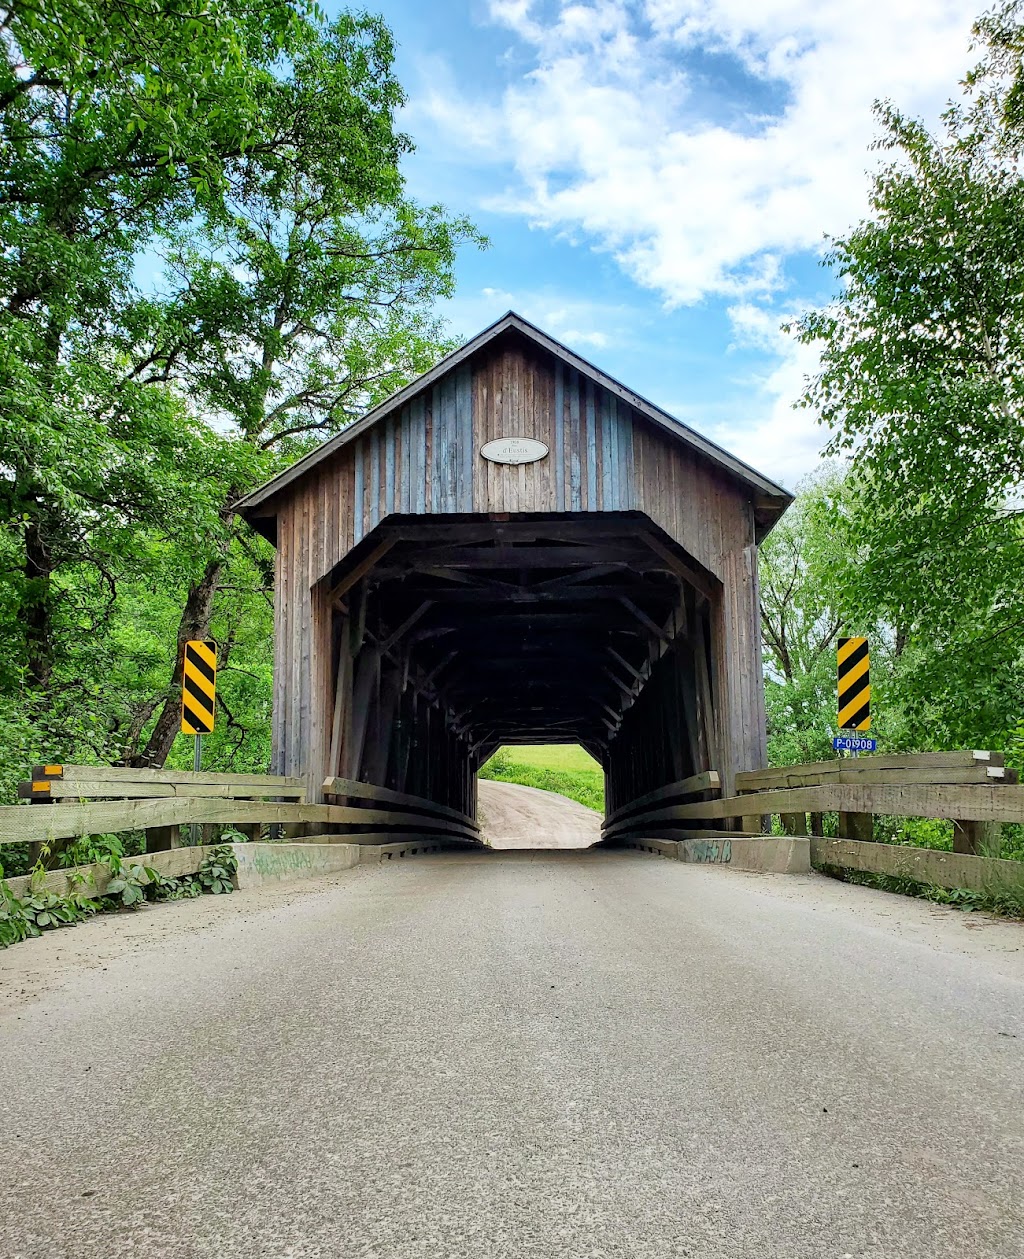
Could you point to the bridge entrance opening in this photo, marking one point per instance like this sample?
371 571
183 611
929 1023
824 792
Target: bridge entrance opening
516 549
563 767
540 796
463 635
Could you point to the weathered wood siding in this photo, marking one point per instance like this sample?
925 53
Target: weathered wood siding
604 457
424 459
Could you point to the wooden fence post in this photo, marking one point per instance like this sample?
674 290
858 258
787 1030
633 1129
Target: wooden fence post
980 839
163 838
857 826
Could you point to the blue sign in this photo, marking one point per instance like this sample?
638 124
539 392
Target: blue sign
854 743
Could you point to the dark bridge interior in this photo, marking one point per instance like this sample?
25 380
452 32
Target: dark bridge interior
459 635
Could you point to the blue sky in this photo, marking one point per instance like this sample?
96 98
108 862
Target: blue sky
657 176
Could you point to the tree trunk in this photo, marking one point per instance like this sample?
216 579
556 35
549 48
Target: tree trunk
194 623
38 620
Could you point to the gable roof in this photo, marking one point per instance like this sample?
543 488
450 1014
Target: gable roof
754 480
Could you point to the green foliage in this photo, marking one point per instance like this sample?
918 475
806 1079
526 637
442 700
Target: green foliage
186 887
45 911
130 886
565 769
92 849
920 384
216 874
127 887
249 157
803 565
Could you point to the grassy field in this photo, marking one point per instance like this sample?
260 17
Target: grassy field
561 767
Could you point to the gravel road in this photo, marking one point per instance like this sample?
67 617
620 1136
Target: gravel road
513 816
574 1055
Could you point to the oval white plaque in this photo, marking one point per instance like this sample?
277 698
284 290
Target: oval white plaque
514 450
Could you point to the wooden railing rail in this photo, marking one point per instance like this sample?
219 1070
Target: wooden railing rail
95 782
638 817
969 788
708 781
923 769
348 788
88 800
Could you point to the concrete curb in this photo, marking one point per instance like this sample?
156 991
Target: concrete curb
285 863
784 855
260 863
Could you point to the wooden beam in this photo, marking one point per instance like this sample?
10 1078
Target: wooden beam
170 777
532 557
680 567
637 673
761 779
360 570
573 579
694 785
348 787
975 803
627 691
645 620
106 789
406 625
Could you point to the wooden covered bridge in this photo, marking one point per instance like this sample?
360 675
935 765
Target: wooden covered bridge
516 549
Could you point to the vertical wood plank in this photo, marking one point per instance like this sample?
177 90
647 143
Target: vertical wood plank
575 441
558 451
590 501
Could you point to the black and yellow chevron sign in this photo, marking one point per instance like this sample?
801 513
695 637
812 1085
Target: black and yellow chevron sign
854 685
198 687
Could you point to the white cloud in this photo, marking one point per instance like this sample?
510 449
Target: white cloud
783 441
610 135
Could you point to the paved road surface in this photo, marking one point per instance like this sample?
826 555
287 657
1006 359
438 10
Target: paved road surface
514 816
519 1055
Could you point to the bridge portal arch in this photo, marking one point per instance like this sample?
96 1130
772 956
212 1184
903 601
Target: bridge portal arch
433 603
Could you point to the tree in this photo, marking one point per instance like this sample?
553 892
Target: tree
116 119
255 149
804 567
921 382
325 310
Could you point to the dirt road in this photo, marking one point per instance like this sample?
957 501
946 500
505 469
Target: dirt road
512 816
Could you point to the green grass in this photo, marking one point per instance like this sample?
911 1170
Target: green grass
561 767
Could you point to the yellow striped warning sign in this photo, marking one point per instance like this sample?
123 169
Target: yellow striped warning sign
854 685
198 687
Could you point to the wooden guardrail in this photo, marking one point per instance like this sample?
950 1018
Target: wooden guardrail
87 800
97 782
658 813
407 810
972 789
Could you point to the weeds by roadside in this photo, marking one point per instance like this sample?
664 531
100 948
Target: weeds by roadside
128 885
1007 903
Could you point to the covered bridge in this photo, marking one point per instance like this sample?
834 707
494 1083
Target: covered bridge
516 549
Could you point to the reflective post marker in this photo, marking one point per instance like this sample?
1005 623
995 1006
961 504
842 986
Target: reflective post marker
854 684
198 697
198 687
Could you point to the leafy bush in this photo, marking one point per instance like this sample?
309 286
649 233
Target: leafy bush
217 871
91 850
131 884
